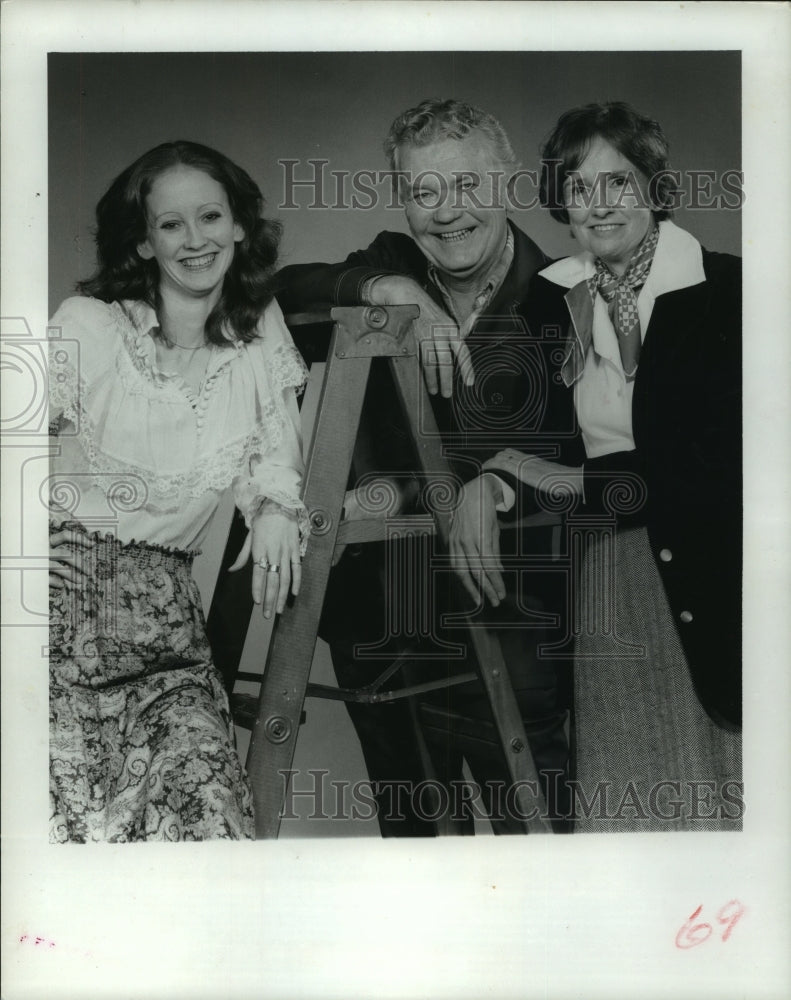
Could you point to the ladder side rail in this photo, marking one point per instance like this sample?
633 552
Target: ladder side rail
283 686
493 671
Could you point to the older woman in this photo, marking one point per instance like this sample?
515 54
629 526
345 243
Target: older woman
173 378
652 475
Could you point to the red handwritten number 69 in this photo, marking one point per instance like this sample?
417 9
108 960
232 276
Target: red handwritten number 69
692 934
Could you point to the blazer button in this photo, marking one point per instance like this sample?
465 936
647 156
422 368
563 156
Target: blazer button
686 617
665 555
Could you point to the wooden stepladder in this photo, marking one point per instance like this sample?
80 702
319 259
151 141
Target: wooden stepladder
361 334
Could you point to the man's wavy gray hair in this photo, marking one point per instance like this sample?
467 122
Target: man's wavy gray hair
433 120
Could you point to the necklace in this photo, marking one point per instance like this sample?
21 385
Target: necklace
172 343
190 366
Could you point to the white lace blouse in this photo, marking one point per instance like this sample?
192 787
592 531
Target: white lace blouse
140 454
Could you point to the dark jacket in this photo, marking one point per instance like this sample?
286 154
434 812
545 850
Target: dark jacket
686 415
477 421
475 424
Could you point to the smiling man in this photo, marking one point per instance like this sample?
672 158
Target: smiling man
468 268
464 260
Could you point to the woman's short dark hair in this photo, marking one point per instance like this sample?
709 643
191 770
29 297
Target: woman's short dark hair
638 138
122 225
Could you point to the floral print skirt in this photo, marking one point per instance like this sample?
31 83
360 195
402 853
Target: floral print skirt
141 738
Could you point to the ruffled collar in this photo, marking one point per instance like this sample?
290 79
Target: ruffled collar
142 321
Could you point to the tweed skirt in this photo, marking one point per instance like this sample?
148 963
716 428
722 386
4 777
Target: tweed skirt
141 738
648 757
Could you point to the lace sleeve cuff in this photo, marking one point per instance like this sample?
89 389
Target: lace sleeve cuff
250 495
289 503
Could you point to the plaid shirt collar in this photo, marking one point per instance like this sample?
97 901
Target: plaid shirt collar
494 279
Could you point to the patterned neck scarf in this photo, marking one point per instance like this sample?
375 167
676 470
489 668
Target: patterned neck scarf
620 294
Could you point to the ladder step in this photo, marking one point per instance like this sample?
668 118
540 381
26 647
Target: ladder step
375 529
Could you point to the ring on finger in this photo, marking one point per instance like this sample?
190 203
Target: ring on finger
273 568
264 564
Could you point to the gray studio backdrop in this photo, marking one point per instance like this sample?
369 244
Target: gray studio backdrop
262 108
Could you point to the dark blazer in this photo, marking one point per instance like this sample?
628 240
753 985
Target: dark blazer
686 413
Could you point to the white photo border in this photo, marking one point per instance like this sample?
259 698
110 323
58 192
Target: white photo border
548 917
